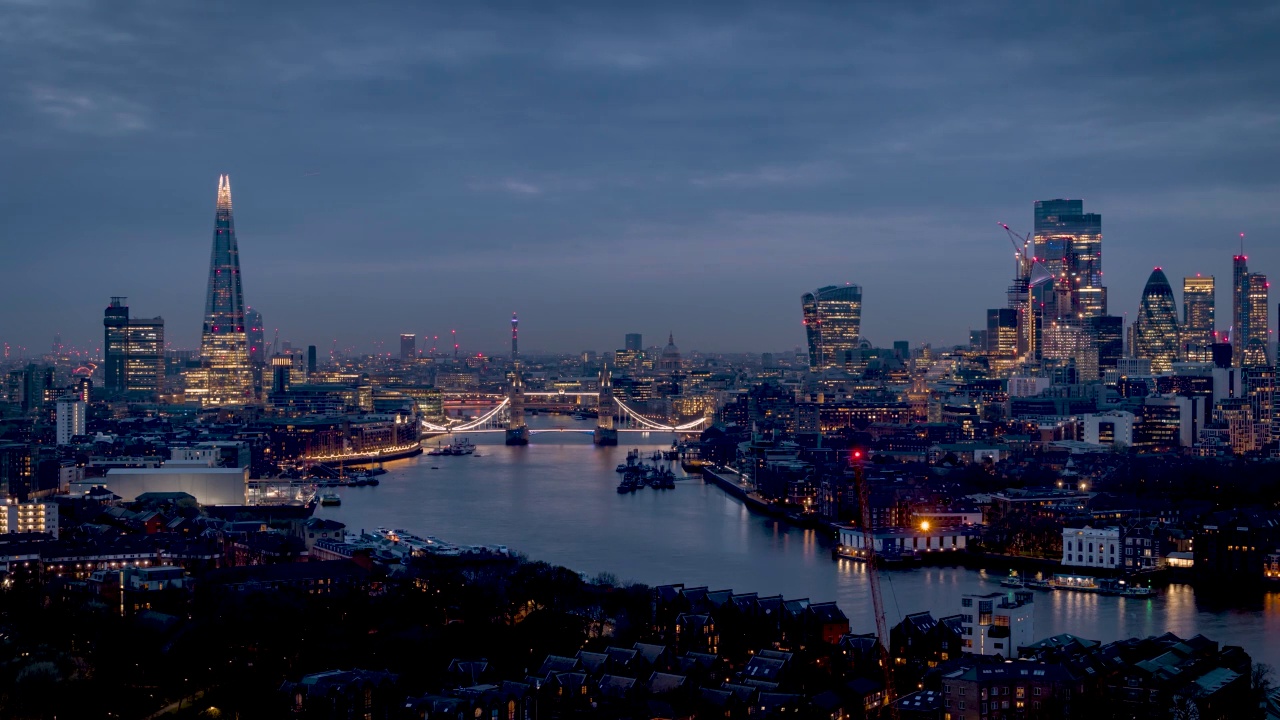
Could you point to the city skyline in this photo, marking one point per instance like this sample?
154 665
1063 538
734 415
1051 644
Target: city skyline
896 165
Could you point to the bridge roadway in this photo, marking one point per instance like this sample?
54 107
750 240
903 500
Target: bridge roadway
480 423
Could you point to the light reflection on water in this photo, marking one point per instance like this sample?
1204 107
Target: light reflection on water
555 500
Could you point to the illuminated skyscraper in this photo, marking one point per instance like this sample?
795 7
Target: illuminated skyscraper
133 353
1198 333
1155 333
833 321
257 347
408 347
1257 349
227 378
1069 243
1239 304
517 429
1107 334
1250 321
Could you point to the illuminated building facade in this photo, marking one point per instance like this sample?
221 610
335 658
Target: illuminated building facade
1155 334
1002 332
1198 333
833 322
133 353
1256 348
224 343
256 336
1069 243
1107 335
1249 315
1260 390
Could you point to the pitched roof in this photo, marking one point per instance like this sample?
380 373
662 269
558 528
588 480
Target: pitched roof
660 683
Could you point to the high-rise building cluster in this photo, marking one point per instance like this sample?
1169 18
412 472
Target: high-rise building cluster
133 354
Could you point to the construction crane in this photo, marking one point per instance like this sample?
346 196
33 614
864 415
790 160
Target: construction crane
873 574
1028 273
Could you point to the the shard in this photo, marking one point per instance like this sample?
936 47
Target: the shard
224 342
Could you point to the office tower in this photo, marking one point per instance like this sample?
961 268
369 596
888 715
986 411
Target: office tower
1002 332
1222 355
408 346
1069 243
311 360
133 353
115 320
144 366
1258 305
224 343
1107 333
902 350
1197 318
634 342
71 412
978 341
1155 334
281 373
833 320
256 336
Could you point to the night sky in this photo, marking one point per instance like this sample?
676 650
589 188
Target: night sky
617 167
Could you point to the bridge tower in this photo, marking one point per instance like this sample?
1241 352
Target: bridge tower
606 433
517 430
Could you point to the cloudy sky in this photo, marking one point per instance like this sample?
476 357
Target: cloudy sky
614 167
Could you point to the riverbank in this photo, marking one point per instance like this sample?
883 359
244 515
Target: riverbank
972 560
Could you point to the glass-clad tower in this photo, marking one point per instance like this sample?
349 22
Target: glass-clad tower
224 342
833 321
1155 332
1069 243
1258 303
1198 333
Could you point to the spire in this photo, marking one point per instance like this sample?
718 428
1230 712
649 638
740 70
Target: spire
224 192
671 338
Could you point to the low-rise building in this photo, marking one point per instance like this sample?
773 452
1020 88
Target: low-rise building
29 517
1092 547
996 623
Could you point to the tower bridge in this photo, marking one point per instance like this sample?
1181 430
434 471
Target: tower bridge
508 415
498 418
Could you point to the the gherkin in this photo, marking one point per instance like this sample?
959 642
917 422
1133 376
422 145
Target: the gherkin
224 343
1156 331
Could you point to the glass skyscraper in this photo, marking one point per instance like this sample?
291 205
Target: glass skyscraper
133 353
1069 243
833 322
1198 333
227 377
1250 318
1155 332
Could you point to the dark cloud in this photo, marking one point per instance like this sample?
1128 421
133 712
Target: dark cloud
696 167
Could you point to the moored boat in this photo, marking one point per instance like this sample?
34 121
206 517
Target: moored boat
330 498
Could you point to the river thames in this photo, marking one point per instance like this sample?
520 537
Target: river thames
555 500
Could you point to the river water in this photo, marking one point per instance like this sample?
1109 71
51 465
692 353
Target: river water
555 500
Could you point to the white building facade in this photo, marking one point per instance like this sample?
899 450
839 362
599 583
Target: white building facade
70 415
16 517
997 623
1091 547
